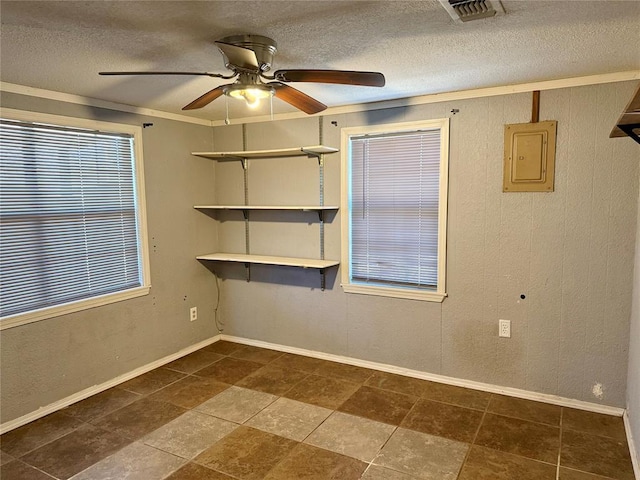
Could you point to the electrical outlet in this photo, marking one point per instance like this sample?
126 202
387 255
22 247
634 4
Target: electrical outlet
504 328
193 313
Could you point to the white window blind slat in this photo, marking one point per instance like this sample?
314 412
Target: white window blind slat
69 226
394 208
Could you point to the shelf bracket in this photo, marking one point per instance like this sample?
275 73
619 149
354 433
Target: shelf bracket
322 279
245 213
247 271
245 163
319 156
321 215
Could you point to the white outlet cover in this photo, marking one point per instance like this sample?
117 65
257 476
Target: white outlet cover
504 328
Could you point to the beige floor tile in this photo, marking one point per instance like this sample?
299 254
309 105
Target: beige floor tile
423 456
236 404
135 462
189 434
289 418
353 436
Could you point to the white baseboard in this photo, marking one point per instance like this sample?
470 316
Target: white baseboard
486 387
514 392
87 392
633 451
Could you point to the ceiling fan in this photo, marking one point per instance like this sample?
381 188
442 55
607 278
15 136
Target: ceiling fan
249 57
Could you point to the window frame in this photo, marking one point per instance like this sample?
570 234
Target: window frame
432 295
135 131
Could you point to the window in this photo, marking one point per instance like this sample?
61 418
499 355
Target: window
73 232
394 209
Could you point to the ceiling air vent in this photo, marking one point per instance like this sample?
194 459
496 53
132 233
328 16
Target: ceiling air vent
467 10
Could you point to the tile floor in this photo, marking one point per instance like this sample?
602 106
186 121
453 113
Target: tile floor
230 411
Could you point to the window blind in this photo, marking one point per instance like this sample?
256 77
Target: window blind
69 228
394 208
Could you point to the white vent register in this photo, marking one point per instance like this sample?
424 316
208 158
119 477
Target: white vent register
467 10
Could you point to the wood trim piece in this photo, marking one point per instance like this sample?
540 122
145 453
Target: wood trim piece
630 116
269 260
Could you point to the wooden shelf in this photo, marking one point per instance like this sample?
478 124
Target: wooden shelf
310 151
303 208
243 156
269 260
629 120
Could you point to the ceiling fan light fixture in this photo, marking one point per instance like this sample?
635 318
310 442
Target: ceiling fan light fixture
251 94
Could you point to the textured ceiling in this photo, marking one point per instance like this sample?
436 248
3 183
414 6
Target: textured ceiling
61 45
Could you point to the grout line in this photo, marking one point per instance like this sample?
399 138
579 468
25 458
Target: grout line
396 427
560 445
475 436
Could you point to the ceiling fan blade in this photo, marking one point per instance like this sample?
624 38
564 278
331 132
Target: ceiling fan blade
239 56
205 99
207 74
294 97
345 77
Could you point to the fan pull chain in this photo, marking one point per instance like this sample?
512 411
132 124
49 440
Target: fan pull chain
226 104
271 103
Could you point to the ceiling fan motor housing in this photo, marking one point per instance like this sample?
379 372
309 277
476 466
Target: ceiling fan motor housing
264 48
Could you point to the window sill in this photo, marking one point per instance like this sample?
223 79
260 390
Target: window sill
426 296
45 313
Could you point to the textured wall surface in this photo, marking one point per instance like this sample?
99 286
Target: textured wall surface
633 380
570 252
46 361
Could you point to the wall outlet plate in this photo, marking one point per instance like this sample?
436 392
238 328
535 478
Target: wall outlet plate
504 328
193 313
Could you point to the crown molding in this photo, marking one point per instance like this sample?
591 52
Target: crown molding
94 102
355 108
